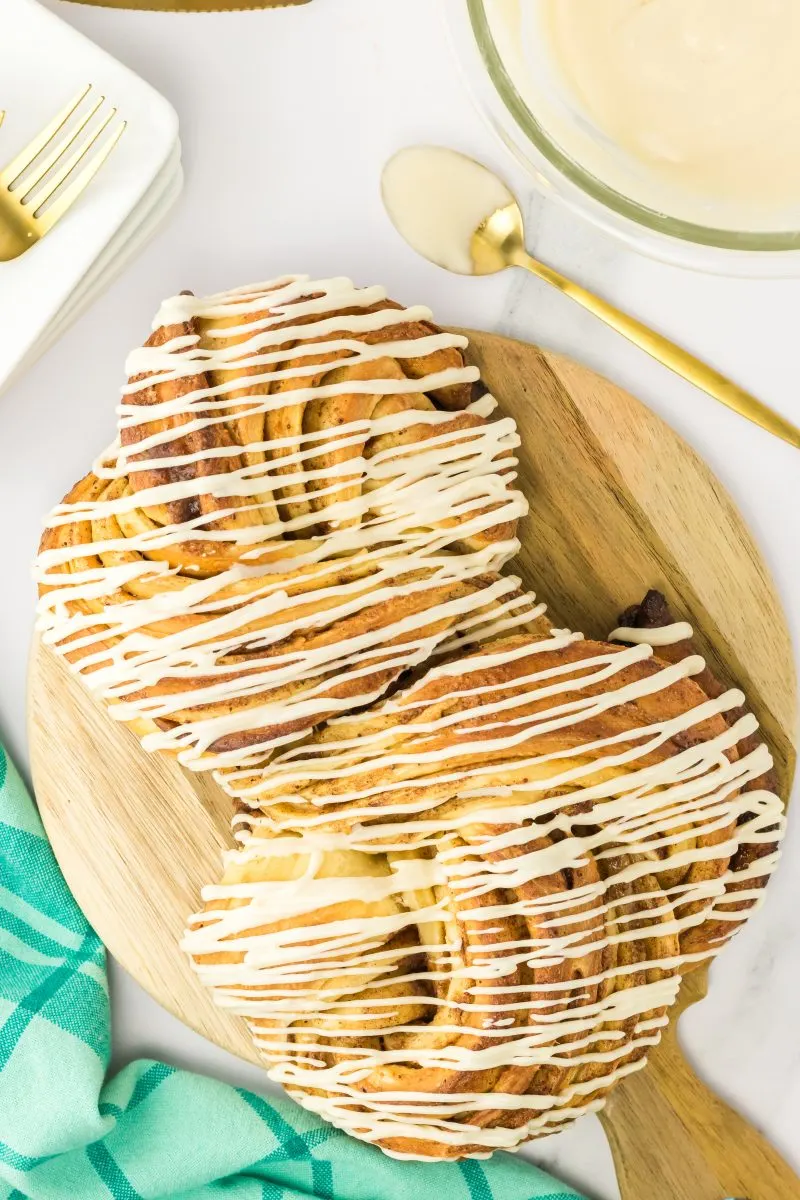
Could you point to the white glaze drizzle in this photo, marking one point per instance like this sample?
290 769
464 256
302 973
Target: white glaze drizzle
394 535
426 869
314 981
662 635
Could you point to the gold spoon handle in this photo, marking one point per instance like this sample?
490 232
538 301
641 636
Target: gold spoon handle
664 351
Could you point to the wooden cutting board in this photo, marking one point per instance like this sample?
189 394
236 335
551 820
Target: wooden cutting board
618 504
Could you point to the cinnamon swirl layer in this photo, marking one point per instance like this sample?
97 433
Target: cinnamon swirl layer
308 494
454 921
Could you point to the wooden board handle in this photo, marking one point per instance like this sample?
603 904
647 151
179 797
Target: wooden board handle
670 1135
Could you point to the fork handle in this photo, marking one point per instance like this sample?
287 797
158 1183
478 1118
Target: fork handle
664 351
672 1138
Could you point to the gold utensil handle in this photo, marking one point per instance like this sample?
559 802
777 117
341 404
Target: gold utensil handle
661 348
672 1138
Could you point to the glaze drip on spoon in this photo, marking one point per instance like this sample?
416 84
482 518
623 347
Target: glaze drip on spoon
437 198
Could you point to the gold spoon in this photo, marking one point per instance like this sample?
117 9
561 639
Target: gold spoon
459 215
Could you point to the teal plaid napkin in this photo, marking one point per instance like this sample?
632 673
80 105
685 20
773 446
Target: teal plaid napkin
68 1133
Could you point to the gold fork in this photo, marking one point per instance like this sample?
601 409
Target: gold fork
46 178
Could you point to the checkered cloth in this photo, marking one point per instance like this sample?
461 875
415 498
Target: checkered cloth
68 1133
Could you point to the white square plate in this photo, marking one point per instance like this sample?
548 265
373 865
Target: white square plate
44 63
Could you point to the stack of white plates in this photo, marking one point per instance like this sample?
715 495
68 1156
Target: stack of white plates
44 64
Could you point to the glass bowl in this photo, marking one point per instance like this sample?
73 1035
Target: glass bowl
536 122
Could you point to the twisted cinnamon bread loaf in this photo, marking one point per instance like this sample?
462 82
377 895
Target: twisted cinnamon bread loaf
306 496
454 920
457 919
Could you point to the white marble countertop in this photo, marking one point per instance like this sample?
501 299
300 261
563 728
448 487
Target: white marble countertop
287 117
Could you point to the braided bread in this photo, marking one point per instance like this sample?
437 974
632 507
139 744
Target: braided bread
455 920
305 498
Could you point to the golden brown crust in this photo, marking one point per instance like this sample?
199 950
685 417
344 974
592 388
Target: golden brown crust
446 694
646 934
295 513
653 612
452 1022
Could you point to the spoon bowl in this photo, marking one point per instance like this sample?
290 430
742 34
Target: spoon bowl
439 199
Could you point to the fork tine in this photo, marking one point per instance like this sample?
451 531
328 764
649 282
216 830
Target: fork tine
24 159
68 166
81 181
60 148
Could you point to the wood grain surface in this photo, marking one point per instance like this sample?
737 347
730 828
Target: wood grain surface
619 503
673 1139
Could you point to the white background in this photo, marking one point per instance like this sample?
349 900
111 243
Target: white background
287 117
